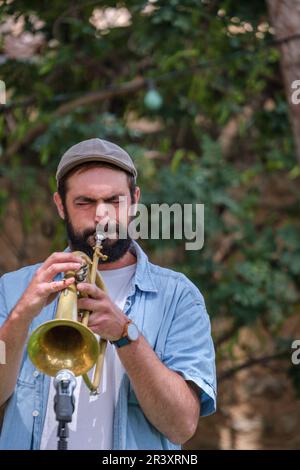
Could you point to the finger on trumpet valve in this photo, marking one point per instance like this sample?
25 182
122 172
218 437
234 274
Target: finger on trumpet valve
82 273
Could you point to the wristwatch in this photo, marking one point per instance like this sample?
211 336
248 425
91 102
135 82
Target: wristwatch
130 333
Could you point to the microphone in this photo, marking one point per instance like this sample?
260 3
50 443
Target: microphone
64 401
64 405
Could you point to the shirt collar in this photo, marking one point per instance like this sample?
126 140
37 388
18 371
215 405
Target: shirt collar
143 276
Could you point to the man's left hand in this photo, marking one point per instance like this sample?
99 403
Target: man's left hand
106 319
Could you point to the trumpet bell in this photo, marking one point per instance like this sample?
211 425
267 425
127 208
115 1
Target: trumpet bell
63 344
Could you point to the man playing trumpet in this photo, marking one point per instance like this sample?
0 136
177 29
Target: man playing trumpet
158 374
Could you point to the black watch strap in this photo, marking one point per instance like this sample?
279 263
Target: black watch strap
121 342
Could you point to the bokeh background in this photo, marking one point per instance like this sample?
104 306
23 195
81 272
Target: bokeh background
199 93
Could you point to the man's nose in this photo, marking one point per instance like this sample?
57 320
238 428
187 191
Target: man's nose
101 213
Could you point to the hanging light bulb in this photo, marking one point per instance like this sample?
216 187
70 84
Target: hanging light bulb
153 100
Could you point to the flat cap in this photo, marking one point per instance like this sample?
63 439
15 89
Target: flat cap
97 150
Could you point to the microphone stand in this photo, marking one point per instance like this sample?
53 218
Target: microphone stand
64 405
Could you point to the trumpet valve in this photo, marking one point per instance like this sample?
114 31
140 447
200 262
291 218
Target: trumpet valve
81 275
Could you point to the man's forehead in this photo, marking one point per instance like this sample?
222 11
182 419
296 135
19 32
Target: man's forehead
96 191
89 195
99 172
98 181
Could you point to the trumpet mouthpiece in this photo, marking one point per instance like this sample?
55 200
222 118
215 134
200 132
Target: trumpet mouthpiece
100 232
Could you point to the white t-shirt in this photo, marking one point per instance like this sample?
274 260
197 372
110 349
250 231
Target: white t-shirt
92 422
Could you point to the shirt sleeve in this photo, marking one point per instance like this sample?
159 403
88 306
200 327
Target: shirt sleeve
3 306
189 348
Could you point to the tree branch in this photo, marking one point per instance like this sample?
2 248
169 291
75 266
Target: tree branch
228 334
88 99
252 362
285 15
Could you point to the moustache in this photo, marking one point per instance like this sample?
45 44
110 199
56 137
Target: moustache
106 231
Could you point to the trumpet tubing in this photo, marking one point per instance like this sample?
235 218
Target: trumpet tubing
66 342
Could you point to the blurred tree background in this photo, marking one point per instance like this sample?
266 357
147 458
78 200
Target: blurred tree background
193 90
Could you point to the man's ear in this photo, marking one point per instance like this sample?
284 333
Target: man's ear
137 194
59 205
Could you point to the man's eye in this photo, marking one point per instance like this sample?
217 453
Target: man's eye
82 203
112 201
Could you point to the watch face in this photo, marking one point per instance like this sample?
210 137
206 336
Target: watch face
133 332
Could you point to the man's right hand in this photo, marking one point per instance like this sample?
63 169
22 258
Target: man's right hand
42 290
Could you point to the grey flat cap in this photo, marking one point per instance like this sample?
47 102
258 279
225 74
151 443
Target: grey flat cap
95 150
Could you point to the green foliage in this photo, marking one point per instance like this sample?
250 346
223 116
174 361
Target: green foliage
209 78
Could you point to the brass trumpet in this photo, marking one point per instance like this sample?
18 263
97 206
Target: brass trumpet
66 342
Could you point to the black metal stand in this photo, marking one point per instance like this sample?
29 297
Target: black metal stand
64 405
62 434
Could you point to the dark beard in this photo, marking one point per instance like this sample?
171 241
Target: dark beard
113 249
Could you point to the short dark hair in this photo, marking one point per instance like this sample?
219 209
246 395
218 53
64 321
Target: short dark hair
62 187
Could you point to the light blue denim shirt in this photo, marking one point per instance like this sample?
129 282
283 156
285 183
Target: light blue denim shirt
170 312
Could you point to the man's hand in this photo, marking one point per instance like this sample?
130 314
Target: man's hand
106 319
42 290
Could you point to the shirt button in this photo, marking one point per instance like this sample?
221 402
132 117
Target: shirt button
35 413
36 373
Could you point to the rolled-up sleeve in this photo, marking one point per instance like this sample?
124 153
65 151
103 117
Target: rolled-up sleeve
189 349
3 306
